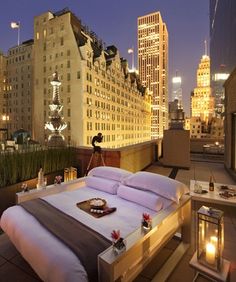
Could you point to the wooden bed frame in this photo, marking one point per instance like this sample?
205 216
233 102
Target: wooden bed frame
140 247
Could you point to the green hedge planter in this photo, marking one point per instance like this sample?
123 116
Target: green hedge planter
20 166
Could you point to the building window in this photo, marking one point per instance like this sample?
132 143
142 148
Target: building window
62 41
78 74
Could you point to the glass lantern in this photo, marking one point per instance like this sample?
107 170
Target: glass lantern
70 174
66 174
73 173
210 237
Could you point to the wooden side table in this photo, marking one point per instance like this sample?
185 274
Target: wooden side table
222 276
212 197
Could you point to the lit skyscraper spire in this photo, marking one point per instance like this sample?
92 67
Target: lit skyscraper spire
177 89
205 45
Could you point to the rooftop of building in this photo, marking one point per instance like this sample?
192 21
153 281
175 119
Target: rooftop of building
13 266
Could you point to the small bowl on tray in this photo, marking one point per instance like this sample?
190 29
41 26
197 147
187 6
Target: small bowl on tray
97 203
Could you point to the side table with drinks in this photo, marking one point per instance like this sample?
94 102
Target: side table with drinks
222 194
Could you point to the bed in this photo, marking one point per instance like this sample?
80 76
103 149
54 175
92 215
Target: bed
132 195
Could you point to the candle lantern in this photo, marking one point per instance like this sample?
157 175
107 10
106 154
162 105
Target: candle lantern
210 237
70 174
73 173
66 174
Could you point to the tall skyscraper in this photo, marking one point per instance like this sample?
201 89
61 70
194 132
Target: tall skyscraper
153 67
222 47
202 102
203 121
97 91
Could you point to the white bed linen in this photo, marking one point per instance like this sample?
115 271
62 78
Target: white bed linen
48 256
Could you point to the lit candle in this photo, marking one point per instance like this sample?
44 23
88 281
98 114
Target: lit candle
214 240
203 232
210 253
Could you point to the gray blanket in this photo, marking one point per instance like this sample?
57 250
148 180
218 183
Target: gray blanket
86 243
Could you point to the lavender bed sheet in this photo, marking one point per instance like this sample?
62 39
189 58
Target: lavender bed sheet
48 256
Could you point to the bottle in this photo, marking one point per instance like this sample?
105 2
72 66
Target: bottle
40 183
211 184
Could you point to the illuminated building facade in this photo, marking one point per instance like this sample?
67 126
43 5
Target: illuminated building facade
3 60
3 116
202 102
97 91
19 87
204 123
153 67
196 128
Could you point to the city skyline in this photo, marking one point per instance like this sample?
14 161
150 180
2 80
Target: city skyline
187 25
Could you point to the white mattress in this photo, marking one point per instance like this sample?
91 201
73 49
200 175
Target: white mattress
48 256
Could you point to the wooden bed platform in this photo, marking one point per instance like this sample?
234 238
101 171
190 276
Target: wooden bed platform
140 247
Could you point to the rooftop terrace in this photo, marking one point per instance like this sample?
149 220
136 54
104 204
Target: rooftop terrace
14 268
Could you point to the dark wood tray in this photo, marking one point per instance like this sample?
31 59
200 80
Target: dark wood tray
85 206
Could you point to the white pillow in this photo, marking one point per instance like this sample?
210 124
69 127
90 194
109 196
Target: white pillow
158 184
98 183
110 172
145 198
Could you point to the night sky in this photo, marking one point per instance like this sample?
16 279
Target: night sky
115 22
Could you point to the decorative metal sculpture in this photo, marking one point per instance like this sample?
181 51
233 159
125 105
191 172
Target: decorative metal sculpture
56 123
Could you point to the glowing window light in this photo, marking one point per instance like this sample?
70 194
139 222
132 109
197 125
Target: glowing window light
221 76
176 79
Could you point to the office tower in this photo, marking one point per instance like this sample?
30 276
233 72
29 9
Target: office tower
153 67
3 116
222 47
19 87
202 102
98 93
